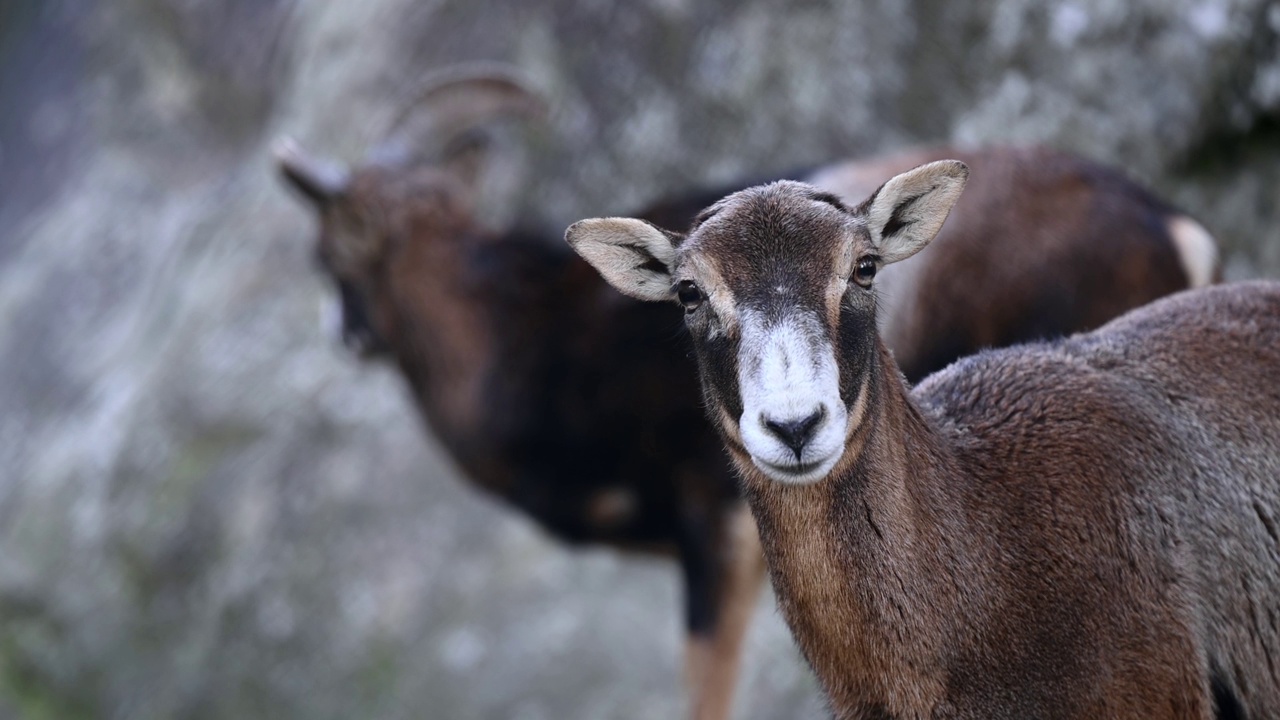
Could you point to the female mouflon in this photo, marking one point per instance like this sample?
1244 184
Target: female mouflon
1088 528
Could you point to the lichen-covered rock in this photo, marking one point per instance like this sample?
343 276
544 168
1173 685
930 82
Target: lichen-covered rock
207 510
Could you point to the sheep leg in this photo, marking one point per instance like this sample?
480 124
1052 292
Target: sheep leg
724 569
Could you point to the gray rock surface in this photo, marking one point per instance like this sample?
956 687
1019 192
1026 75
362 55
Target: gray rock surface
209 511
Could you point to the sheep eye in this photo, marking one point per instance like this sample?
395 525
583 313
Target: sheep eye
689 295
865 271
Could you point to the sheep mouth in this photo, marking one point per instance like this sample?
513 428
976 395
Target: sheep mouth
793 469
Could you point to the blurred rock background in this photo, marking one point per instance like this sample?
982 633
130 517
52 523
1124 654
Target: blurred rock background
209 511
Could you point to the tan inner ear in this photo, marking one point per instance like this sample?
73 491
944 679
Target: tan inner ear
915 203
631 255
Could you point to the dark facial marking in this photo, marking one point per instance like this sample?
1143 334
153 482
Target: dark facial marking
855 350
718 361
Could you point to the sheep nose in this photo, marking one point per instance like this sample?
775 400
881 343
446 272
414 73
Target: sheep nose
796 433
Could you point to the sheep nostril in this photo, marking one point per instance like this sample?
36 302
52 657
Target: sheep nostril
796 433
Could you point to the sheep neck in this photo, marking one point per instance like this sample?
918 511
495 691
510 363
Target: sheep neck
864 562
446 342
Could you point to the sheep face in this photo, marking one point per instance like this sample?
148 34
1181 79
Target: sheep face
780 330
777 283
370 220
350 250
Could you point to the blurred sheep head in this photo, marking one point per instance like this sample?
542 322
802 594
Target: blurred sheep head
418 186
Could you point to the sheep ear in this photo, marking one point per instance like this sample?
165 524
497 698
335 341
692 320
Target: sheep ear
632 255
908 211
